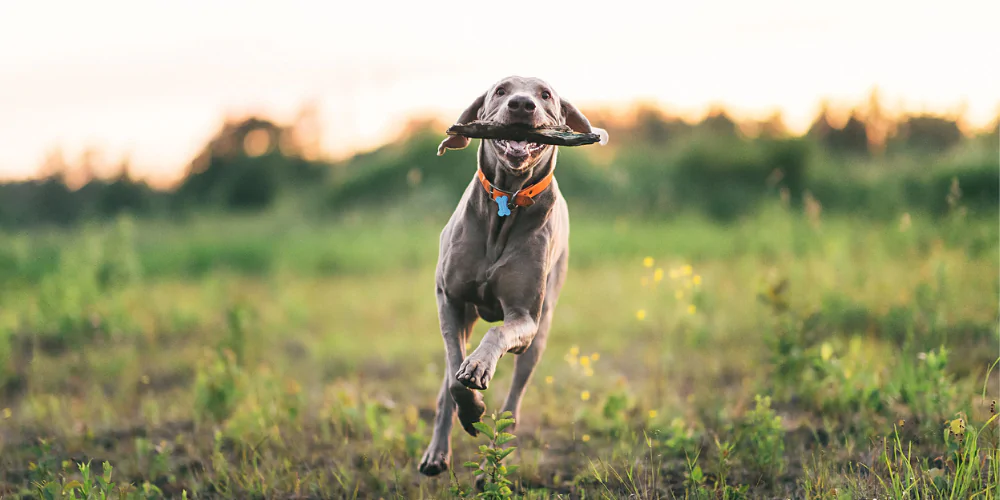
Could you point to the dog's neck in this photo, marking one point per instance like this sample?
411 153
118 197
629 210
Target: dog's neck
503 179
499 228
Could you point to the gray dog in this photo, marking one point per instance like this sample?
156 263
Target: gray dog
503 256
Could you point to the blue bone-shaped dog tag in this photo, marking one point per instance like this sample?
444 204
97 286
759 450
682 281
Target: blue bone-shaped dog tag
504 210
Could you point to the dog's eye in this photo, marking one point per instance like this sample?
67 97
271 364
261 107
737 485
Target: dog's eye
501 91
546 94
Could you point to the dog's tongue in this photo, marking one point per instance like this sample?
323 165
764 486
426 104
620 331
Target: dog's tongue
518 148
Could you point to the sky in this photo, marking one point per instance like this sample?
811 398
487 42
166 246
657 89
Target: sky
152 81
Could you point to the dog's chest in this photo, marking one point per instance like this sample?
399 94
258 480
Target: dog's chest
492 267
473 278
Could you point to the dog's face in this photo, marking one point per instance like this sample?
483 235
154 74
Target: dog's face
524 101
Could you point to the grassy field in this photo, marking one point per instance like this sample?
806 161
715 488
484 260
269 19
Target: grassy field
784 355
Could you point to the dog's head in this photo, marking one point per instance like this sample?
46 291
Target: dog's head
524 101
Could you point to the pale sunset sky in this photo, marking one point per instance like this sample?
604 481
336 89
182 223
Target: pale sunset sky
153 80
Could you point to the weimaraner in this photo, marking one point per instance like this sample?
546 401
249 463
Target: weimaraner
503 256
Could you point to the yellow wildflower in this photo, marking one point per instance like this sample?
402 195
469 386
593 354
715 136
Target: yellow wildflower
826 351
648 262
692 309
585 395
674 274
584 361
958 426
679 294
652 413
640 314
686 270
145 379
658 274
585 438
573 351
7 413
696 279
595 356
549 379
588 371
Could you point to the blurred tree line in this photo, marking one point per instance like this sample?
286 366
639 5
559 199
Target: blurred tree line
858 160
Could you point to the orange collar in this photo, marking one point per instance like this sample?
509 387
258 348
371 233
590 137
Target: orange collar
521 198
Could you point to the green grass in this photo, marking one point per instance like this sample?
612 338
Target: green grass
780 355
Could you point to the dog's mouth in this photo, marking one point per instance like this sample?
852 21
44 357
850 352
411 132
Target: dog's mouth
518 153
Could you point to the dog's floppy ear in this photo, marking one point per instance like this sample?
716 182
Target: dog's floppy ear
580 123
470 114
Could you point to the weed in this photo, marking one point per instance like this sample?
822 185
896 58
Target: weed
96 487
495 475
218 386
761 439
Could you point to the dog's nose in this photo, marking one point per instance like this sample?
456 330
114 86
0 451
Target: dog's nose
521 103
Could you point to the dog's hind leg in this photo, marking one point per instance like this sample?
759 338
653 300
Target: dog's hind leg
525 366
456 327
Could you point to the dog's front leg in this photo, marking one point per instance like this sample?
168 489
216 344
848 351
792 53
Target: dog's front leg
456 326
514 335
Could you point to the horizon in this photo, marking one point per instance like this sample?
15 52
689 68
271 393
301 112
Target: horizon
156 92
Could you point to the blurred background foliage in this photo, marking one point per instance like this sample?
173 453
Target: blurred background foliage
656 166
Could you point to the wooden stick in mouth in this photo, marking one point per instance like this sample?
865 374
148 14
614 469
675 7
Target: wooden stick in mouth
559 135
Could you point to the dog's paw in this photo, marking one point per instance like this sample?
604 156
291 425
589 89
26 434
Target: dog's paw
471 407
476 373
434 461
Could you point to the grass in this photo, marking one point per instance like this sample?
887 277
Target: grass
782 355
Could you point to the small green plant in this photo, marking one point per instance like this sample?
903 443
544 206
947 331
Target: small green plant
96 487
679 438
695 480
926 386
217 386
761 439
725 452
495 475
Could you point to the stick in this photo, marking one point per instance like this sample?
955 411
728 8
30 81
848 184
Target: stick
559 135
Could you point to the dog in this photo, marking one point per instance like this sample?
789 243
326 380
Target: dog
503 256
